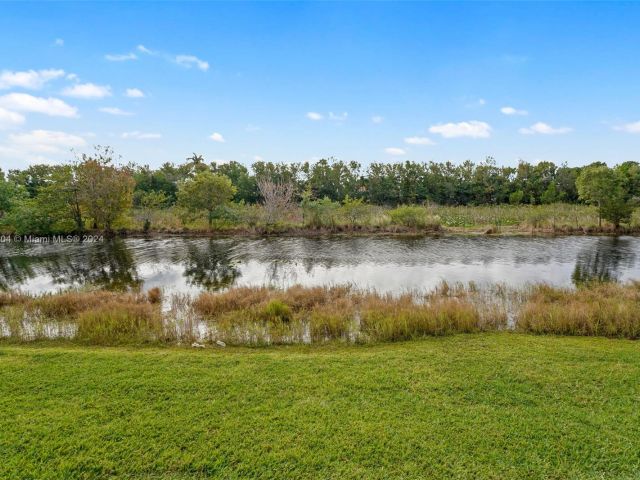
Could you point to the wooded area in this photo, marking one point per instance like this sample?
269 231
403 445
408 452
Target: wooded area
96 191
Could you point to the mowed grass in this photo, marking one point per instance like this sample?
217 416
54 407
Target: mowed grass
491 405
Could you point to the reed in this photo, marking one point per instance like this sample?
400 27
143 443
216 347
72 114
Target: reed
269 316
609 310
117 323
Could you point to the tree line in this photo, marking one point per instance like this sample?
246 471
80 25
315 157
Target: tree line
95 190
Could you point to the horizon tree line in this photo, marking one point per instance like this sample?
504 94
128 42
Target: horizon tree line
95 189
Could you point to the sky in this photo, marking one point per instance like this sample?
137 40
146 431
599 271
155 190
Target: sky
298 81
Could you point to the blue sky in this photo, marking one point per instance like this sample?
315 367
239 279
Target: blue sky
300 81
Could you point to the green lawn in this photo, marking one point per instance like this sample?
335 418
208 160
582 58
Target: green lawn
466 406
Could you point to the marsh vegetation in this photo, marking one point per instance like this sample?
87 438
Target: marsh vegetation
298 315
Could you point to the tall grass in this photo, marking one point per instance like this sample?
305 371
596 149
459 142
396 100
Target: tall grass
609 310
267 316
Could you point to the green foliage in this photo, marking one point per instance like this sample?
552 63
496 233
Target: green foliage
604 187
95 192
277 310
413 216
516 197
149 202
550 195
355 211
319 213
206 191
11 195
105 192
246 184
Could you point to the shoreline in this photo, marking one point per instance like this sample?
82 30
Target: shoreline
507 231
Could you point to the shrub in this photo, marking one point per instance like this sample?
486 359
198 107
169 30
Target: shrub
414 216
355 211
320 213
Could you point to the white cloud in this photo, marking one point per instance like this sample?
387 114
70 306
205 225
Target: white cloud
88 90
395 151
544 129
10 119
629 127
45 141
314 116
186 61
189 61
216 137
257 158
472 129
58 42
419 141
115 111
513 111
341 117
377 119
143 49
121 57
137 135
31 79
134 93
23 102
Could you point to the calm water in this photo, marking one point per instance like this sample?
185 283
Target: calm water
386 264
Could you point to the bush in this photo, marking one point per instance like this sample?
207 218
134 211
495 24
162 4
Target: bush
414 216
320 213
355 211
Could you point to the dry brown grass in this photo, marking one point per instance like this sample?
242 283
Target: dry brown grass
609 310
266 316
118 323
154 295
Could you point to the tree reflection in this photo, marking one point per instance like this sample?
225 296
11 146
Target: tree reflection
212 267
603 261
108 265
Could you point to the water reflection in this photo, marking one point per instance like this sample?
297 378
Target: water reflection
211 267
386 264
605 261
108 265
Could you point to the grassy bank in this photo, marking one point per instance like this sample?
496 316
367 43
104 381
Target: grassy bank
556 218
297 315
468 406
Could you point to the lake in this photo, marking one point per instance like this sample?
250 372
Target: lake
390 264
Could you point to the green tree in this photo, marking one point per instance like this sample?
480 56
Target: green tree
149 203
247 185
10 194
602 186
105 191
206 191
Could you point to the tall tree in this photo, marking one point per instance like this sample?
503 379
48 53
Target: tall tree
602 186
105 191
